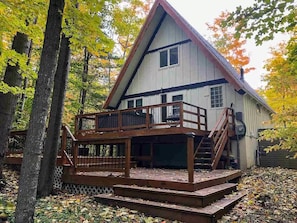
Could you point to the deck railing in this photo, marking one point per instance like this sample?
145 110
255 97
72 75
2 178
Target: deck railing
220 133
16 143
178 114
82 156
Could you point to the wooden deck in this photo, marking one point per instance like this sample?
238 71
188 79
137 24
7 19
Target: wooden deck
115 142
158 178
107 150
167 193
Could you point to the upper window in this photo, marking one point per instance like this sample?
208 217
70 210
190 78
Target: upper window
216 97
169 57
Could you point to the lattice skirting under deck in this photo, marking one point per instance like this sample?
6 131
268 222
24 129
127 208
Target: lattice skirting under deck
86 189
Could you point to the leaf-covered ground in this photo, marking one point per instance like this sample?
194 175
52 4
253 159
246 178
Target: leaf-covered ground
271 197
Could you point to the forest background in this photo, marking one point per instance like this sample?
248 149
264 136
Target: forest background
95 38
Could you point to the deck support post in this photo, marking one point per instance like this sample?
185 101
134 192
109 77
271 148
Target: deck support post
190 156
127 157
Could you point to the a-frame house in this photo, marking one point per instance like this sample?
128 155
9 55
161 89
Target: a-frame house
177 103
171 61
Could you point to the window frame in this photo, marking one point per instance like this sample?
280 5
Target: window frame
176 108
129 103
172 57
219 103
135 103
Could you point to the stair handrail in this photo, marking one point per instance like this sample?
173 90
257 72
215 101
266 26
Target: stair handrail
69 132
219 135
198 147
66 130
212 132
68 158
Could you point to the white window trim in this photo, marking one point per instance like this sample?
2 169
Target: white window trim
168 58
134 102
223 96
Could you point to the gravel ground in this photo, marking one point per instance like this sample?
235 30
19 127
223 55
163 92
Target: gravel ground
271 197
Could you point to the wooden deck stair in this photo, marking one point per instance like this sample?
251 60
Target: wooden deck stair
204 206
210 149
203 157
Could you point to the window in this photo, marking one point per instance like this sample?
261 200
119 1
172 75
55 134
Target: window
258 108
169 57
138 102
216 97
163 59
175 108
173 56
135 103
131 104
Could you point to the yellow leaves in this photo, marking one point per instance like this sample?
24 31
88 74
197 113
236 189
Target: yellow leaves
6 208
5 88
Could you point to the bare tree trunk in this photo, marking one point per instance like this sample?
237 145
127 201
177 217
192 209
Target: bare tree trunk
8 101
48 164
28 182
83 92
22 99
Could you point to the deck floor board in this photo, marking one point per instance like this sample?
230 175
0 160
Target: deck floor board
174 175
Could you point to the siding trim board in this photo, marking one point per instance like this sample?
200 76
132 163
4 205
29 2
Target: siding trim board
178 88
168 46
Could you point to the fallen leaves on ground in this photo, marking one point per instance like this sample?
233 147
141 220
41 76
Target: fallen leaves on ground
271 197
68 208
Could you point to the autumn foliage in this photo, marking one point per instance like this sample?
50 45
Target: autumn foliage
280 93
228 45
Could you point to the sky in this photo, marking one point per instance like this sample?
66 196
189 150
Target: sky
198 15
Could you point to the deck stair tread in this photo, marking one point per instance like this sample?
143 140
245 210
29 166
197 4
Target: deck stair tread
203 158
187 214
202 165
199 193
204 153
199 198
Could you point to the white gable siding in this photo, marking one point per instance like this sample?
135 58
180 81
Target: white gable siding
194 67
168 33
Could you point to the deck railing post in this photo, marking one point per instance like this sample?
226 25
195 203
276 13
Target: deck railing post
120 118
76 124
75 154
147 118
190 156
63 145
96 122
181 113
127 157
198 118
